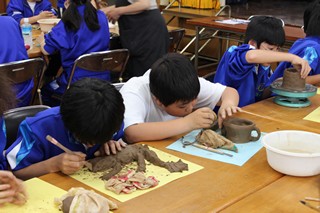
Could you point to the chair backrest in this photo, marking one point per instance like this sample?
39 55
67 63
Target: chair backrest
20 71
175 38
112 60
14 117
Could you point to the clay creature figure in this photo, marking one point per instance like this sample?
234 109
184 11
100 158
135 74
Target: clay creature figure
135 152
212 139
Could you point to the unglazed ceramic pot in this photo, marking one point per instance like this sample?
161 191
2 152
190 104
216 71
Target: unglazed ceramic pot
292 80
240 130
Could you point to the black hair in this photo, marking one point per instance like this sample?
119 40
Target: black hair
72 19
7 95
265 29
92 109
173 78
311 19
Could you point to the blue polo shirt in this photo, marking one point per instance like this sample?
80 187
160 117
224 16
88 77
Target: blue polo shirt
32 147
13 49
307 48
19 9
248 79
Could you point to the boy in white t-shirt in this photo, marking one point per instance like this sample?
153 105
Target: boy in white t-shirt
170 99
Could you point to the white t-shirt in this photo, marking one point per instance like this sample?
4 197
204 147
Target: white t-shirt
140 107
153 4
32 6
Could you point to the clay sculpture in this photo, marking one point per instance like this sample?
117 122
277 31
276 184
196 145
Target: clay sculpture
135 152
292 80
79 200
210 138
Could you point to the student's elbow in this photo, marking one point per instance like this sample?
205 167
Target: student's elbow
130 136
251 56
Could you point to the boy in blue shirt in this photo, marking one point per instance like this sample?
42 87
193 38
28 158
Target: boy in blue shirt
90 116
34 10
307 48
247 67
13 49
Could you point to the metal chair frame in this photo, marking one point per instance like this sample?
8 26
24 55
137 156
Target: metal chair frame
23 70
112 60
175 38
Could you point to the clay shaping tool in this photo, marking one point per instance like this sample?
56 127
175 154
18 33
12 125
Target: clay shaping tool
211 149
55 142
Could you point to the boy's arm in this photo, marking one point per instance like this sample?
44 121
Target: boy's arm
65 163
42 15
201 118
267 56
313 79
228 104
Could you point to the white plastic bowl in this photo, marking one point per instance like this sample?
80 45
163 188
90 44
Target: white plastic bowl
47 24
295 153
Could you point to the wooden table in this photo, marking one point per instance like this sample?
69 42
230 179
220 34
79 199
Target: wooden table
213 188
283 195
292 33
35 51
287 115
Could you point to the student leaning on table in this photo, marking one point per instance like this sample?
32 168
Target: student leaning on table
170 99
247 67
12 49
83 29
307 48
88 121
11 188
33 10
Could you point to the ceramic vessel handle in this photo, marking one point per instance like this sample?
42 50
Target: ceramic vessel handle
255 138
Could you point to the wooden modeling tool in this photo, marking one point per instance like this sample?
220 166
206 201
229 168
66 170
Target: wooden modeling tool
211 149
55 142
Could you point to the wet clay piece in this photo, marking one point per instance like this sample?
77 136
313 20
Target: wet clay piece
210 138
66 203
135 152
292 80
240 130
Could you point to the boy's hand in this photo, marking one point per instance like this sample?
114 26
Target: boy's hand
11 189
301 64
69 163
201 118
46 14
226 110
111 146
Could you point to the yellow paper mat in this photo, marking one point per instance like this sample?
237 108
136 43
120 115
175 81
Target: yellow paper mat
40 198
314 115
318 91
161 174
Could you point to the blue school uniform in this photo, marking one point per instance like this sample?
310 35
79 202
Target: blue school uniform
73 44
307 48
31 145
19 9
3 140
13 49
247 78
